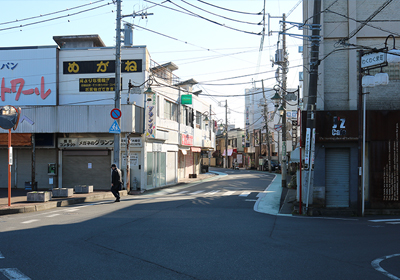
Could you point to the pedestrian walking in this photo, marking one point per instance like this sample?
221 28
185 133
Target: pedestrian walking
116 181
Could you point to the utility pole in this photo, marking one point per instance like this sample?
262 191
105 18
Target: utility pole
117 98
266 127
284 71
312 97
226 133
210 127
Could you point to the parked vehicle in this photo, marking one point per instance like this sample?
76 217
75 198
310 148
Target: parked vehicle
274 165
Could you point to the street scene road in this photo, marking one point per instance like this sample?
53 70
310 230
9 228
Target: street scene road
208 230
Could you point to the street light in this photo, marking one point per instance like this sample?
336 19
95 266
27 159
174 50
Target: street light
149 93
225 133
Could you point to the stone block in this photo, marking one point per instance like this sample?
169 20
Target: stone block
63 192
39 196
83 189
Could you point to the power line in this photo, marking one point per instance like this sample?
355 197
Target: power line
55 18
240 12
52 13
246 22
212 21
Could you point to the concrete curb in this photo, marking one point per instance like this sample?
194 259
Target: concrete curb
269 200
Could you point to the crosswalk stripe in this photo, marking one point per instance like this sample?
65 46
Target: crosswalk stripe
212 192
197 192
229 193
14 274
182 192
72 210
246 193
30 221
51 216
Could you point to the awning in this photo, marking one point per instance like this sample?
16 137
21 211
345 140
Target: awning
295 155
230 151
195 149
184 151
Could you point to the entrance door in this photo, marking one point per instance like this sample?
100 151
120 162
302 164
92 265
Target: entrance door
337 174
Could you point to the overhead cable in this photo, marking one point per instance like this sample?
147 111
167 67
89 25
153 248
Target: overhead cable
217 23
55 18
246 22
240 12
52 13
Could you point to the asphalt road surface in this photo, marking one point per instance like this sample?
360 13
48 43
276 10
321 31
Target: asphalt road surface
203 231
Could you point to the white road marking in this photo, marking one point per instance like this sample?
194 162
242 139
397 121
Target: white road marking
72 210
250 200
376 264
229 193
14 274
197 192
30 221
246 193
393 223
383 220
1 256
182 192
51 216
212 192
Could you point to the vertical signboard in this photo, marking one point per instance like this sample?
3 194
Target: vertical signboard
151 116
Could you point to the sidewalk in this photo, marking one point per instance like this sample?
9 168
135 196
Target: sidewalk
19 203
269 202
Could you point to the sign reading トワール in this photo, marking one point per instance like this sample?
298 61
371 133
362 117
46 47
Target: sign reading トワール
28 76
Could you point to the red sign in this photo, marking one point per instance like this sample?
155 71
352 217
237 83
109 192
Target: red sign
115 113
187 140
17 86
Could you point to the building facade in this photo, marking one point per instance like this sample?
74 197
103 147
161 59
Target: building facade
337 178
65 135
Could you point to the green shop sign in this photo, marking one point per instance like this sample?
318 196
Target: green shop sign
186 99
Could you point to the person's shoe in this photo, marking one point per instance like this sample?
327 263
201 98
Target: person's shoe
117 200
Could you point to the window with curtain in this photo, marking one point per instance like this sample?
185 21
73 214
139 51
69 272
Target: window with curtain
170 111
198 119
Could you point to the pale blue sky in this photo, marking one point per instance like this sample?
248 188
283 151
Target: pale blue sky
212 52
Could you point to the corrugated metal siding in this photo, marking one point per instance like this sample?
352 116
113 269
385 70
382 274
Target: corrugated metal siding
75 119
337 177
4 170
23 161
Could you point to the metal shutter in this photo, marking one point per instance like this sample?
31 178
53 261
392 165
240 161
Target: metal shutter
337 176
75 171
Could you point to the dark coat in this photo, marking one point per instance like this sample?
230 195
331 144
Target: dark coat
116 177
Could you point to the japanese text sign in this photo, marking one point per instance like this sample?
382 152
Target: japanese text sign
101 66
28 76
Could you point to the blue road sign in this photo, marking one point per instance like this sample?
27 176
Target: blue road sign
114 128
